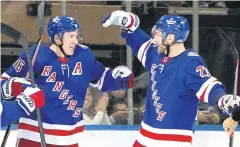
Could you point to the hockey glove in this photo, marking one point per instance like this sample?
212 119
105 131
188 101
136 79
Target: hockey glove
12 87
31 99
227 104
129 22
124 76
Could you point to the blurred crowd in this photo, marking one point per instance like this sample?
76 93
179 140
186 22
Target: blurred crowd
155 3
105 108
181 3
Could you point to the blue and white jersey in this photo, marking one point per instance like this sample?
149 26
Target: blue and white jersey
175 87
64 82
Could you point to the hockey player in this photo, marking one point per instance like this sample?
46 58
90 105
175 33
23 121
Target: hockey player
26 101
231 123
179 78
64 71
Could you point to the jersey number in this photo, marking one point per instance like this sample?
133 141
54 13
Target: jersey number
18 65
203 71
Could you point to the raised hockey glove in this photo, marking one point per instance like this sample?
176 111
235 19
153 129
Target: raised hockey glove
129 22
227 104
124 76
12 87
31 99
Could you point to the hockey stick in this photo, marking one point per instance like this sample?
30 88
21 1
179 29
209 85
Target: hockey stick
230 44
6 136
41 10
22 40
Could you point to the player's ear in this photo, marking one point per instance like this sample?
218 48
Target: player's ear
57 40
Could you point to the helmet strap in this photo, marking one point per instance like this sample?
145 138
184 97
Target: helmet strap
168 46
61 48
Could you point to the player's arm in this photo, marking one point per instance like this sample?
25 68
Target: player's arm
24 104
107 79
135 37
236 114
20 66
208 88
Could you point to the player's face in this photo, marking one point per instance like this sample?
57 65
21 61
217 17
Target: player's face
88 100
70 40
158 40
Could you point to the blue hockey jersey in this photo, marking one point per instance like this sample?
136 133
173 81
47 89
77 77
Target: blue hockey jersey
175 86
10 112
64 82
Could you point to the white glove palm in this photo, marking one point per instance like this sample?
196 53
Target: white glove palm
128 21
121 71
227 103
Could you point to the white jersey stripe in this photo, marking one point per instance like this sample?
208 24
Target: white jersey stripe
204 86
50 139
5 75
51 126
209 88
166 131
1 108
142 52
66 134
99 84
160 143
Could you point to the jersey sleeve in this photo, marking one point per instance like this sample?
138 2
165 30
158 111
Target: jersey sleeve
10 112
142 46
102 79
236 114
20 67
198 79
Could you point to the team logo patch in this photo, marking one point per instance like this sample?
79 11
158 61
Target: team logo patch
124 21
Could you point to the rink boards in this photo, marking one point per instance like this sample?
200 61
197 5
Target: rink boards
124 136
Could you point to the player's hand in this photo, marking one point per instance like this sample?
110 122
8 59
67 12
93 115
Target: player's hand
125 75
227 103
230 125
129 22
12 87
31 99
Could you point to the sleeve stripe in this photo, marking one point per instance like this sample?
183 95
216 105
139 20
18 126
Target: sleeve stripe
5 75
204 86
100 82
205 95
142 52
1 108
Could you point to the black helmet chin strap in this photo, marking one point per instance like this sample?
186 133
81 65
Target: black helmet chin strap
61 48
168 46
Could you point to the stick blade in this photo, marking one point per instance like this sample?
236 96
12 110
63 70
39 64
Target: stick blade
40 17
10 32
